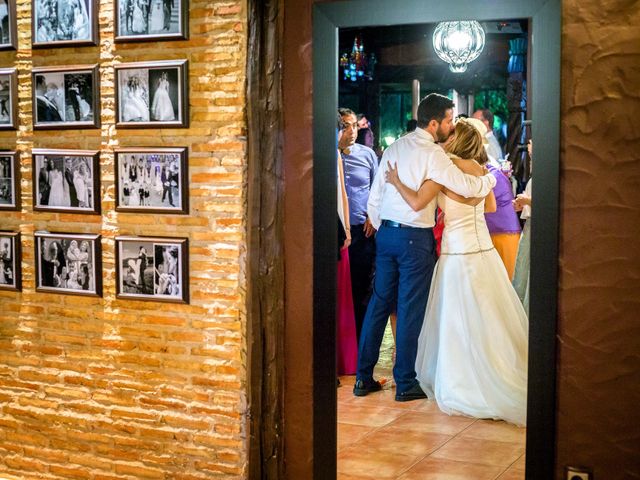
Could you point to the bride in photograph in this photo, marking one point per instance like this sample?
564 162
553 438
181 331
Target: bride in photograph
162 108
135 104
81 183
156 20
57 196
80 29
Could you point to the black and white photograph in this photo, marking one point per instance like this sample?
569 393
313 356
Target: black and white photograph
8 99
66 97
66 180
152 180
10 261
62 23
152 94
9 181
141 20
68 263
8 25
152 269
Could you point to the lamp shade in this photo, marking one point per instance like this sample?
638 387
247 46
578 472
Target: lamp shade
458 43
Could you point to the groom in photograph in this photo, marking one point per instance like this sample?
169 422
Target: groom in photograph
405 255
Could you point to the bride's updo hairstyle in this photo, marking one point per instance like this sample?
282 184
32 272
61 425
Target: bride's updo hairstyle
467 143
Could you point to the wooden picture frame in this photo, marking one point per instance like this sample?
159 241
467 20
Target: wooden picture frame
79 20
60 97
158 185
152 269
68 268
152 94
10 261
9 181
126 16
66 181
9 33
8 99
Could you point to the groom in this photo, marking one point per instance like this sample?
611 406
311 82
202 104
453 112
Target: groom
405 254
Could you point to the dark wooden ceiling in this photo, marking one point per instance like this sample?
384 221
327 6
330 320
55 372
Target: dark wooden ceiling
406 52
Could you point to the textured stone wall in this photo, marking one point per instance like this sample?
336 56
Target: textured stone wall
599 339
104 388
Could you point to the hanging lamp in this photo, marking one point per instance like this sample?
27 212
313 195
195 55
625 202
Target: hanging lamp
458 43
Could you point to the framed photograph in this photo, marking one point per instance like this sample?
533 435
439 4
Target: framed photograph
9 181
66 97
64 23
66 180
10 261
8 98
152 180
152 94
150 268
68 263
8 25
151 20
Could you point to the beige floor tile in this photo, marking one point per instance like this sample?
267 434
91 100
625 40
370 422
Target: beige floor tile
440 469
348 434
496 430
370 416
485 452
403 442
369 463
435 422
513 473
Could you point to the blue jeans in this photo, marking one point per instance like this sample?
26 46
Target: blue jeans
405 258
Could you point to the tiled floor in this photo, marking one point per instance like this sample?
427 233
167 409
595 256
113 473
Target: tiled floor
381 438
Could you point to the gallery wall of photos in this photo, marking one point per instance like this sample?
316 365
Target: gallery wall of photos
121 148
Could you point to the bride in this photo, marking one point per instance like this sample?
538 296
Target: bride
162 108
472 350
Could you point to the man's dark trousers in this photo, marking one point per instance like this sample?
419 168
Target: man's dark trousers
362 257
405 258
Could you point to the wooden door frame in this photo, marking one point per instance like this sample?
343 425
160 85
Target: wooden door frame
545 16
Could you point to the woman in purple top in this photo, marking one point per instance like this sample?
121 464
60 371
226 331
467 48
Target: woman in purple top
503 224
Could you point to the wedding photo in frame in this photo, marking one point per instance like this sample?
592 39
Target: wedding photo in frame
8 25
152 268
9 181
152 94
66 97
68 263
152 180
10 258
151 20
66 180
8 98
64 23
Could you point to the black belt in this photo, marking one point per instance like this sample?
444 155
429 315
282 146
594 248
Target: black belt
392 224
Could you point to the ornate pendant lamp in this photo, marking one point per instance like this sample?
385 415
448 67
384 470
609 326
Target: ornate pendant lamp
458 43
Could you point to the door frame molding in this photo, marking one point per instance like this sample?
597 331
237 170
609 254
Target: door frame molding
545 16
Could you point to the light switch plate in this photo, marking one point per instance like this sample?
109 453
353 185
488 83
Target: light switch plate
576 473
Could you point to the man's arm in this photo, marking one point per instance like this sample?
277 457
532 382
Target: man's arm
376 192
443 171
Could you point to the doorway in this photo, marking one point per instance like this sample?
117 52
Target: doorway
545 55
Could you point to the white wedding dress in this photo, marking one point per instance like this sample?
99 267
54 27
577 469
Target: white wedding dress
472 349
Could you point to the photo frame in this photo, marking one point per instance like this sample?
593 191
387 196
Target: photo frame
68 263
151 20
9 181
66 180
153 269
8 98
152 94
10 261
8 25
64 23
66 97
152 180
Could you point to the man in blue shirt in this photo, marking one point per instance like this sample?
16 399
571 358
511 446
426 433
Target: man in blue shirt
360 166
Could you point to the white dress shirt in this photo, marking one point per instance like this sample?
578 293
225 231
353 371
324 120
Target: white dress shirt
493 149
418 159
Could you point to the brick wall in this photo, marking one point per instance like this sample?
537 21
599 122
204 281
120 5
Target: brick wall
104 388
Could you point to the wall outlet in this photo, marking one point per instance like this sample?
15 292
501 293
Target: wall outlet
574 473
